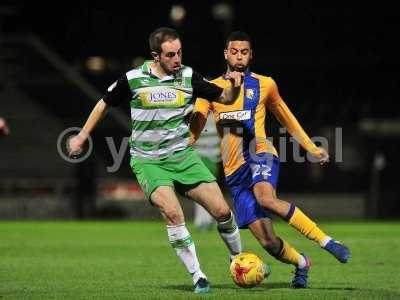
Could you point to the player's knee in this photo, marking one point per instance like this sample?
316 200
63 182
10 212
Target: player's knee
265 198
222 213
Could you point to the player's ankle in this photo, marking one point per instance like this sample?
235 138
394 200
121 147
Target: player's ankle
325 241
197 275
302 263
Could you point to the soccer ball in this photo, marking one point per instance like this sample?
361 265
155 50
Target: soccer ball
248 270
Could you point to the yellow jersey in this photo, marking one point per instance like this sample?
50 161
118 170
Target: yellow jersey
241 124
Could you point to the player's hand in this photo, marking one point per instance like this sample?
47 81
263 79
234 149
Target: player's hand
4 130
235 77
321 154
75 145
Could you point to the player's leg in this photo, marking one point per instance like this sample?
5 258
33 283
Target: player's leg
157 184
266 197
264 171
200 185
251 215
179 237
263 230
209 195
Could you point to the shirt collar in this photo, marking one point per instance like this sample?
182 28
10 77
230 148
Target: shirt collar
147 70
146 67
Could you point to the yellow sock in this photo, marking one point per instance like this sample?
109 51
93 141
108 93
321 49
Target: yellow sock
289 255
307 227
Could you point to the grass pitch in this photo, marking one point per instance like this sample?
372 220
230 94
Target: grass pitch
133 260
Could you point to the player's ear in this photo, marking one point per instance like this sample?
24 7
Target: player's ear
155 55
251 54
226 53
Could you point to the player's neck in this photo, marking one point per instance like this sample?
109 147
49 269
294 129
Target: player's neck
157 70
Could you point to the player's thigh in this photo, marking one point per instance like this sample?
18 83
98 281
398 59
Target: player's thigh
264 193
165 199
209 195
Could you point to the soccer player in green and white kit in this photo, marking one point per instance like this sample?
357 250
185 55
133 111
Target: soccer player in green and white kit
161 94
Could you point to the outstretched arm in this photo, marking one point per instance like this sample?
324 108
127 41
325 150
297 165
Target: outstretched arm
281 111
116 93
205 89
76 143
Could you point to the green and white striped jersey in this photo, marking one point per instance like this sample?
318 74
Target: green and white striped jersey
208 143
160 107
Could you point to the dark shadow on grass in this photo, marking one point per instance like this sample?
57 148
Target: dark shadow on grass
275 285
332 288
228 286
285 285
180 287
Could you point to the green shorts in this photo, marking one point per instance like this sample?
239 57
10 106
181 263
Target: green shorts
183 167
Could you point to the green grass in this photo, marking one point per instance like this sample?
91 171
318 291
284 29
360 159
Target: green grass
133 260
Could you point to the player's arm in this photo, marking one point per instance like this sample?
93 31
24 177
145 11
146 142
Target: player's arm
198 119
76 143
115 94
282 112
4 130
230 94
207 90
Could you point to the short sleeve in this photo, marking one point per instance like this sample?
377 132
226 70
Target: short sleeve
202 106
118 92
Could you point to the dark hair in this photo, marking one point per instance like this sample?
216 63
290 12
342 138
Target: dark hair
159 36
238 36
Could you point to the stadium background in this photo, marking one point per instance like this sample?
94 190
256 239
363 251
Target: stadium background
336 66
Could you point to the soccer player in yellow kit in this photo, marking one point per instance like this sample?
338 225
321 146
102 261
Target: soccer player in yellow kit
251 163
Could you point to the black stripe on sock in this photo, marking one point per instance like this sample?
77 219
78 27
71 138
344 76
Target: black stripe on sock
291 212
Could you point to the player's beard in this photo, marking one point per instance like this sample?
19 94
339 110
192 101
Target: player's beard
238 68
167 70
